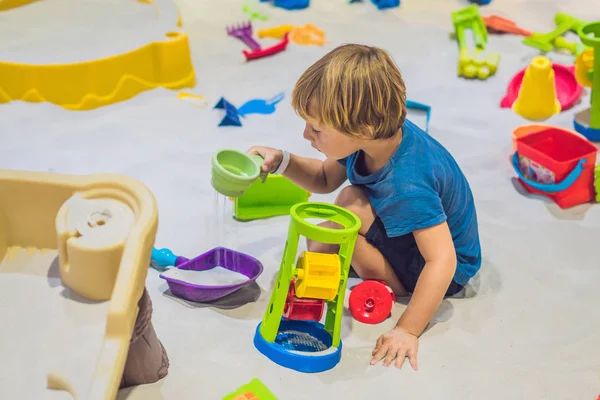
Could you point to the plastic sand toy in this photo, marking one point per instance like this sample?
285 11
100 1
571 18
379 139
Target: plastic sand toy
254 390
87 83
231 117
547 41
260 106
568 90
422 107
252 15
383 4
524 130
290 4
497 24
8 4
587 72
275 32
471 35
243 32
293 341
199 101
371 302
308 35
537 96
597 182
166 258
233 172
222 257
74 266
273 197
254 106
556 163
305 35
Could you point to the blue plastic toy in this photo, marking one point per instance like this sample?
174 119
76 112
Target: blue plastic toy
255 106
481 2
260 106
290 4
231 117
381 4
422 107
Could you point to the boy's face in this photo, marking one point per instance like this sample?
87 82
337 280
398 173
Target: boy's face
329 141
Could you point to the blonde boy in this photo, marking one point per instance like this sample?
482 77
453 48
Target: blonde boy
419 225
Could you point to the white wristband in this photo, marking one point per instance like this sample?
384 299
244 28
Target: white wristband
285 161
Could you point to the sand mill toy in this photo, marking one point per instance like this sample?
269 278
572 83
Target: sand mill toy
290 333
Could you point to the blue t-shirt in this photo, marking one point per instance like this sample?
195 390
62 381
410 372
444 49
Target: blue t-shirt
422 186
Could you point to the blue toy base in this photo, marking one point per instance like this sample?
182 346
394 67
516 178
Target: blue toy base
300 361
590 133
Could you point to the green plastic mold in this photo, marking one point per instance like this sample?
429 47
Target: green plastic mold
471 35
256 387
274 197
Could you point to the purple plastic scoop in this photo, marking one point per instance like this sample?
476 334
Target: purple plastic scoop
219 256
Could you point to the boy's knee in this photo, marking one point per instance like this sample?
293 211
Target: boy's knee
354 198
351 196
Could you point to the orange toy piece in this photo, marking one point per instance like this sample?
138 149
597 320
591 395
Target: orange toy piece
246 396
308 34
495 23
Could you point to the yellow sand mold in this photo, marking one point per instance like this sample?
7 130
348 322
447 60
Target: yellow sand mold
90 84
8 4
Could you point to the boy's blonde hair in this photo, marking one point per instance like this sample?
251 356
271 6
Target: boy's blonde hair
356 90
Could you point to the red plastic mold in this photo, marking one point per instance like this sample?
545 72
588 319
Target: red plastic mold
268 51
371 302
568 90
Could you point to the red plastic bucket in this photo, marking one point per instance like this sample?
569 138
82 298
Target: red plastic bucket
558 164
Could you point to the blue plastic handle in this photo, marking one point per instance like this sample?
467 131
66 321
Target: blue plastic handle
163 257
550 187
423 107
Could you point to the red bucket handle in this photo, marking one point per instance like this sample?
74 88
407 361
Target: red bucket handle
551 187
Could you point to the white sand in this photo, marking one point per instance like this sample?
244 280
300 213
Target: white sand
217 276
531 330
45 326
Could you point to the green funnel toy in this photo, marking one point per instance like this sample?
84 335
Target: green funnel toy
233 172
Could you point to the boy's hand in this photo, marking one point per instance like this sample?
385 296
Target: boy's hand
396 344
272 157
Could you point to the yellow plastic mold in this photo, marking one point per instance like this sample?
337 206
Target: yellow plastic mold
8 4
318 275
74 254
537 96
91 84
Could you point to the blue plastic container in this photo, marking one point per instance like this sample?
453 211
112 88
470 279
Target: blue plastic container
290 355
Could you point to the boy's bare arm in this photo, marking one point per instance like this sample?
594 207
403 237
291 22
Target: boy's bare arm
437 248
314 175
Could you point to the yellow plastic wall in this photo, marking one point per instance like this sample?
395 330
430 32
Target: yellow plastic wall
92 84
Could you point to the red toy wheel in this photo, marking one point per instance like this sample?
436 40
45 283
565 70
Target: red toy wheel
371 302
302 309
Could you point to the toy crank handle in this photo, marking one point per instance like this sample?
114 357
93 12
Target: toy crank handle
166 258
